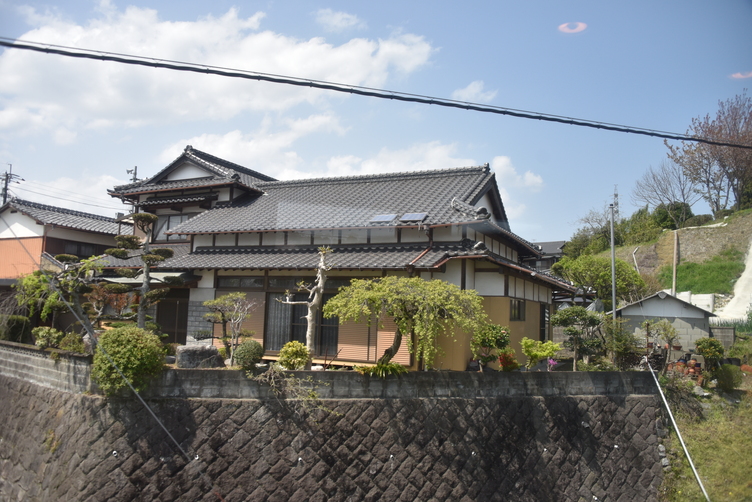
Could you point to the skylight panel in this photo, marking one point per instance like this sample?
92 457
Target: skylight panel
413 217
383 218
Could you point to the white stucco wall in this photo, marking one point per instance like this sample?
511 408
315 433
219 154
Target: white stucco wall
15 225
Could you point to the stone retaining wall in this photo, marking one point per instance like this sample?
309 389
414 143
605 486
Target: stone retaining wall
452 436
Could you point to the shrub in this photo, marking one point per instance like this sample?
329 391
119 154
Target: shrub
138 353
15 328
507 360
536 350
44 337
729 377
382 370
698 221
711 349
487 341
73 342
294 356
248 354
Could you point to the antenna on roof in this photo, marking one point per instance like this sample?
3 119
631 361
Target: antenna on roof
7 178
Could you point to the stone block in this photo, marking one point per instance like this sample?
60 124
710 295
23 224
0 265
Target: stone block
198 356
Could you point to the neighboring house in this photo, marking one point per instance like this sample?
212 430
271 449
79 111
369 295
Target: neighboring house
550 253
691 322
31 234
243 231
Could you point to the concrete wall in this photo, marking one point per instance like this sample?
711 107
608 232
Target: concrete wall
423 436
69 373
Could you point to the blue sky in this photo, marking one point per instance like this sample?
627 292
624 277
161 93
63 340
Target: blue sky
72 128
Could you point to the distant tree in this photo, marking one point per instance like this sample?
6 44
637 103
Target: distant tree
672 216
594 272
422 310
702 168
639 228
129 246
716 169
670 187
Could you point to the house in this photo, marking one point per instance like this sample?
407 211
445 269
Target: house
239 230
31 234
550 253
691 322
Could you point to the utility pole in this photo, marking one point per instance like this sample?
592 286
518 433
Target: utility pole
613 269
7 178
134 172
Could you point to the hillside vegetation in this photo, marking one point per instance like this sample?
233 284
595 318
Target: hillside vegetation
714 245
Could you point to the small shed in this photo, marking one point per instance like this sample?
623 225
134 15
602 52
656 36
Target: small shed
691 322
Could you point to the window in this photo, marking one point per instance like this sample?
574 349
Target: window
168 222
80 249
240 282
286 323
517 312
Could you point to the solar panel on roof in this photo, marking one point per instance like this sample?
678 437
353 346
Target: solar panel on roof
381 218
413 217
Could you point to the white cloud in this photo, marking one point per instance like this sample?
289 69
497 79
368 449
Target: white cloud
46 92
474 92
268 150
338 21
577 27
513 185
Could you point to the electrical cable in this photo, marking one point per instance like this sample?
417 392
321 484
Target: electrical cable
678 433
42 186
75 52
65 199
91 334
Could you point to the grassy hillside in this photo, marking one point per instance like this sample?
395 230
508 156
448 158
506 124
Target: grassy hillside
718 247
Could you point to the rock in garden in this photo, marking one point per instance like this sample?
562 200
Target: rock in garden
198 356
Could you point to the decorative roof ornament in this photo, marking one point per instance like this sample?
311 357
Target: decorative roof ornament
477 213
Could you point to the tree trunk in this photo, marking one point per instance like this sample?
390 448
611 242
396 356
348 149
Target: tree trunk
391 351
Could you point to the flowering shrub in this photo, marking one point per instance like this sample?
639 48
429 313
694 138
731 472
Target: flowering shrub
487 341
551 363
507 360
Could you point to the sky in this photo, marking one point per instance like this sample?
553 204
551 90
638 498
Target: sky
72 128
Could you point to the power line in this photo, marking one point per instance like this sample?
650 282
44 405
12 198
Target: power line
75 52
69 200
48 188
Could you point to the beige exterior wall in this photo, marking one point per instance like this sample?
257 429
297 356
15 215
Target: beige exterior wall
498 310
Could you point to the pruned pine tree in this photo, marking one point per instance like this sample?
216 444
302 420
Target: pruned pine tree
231 309
127 245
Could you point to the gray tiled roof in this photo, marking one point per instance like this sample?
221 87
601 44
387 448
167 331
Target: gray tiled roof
67 218
378 256
344 257
348 202
219 172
